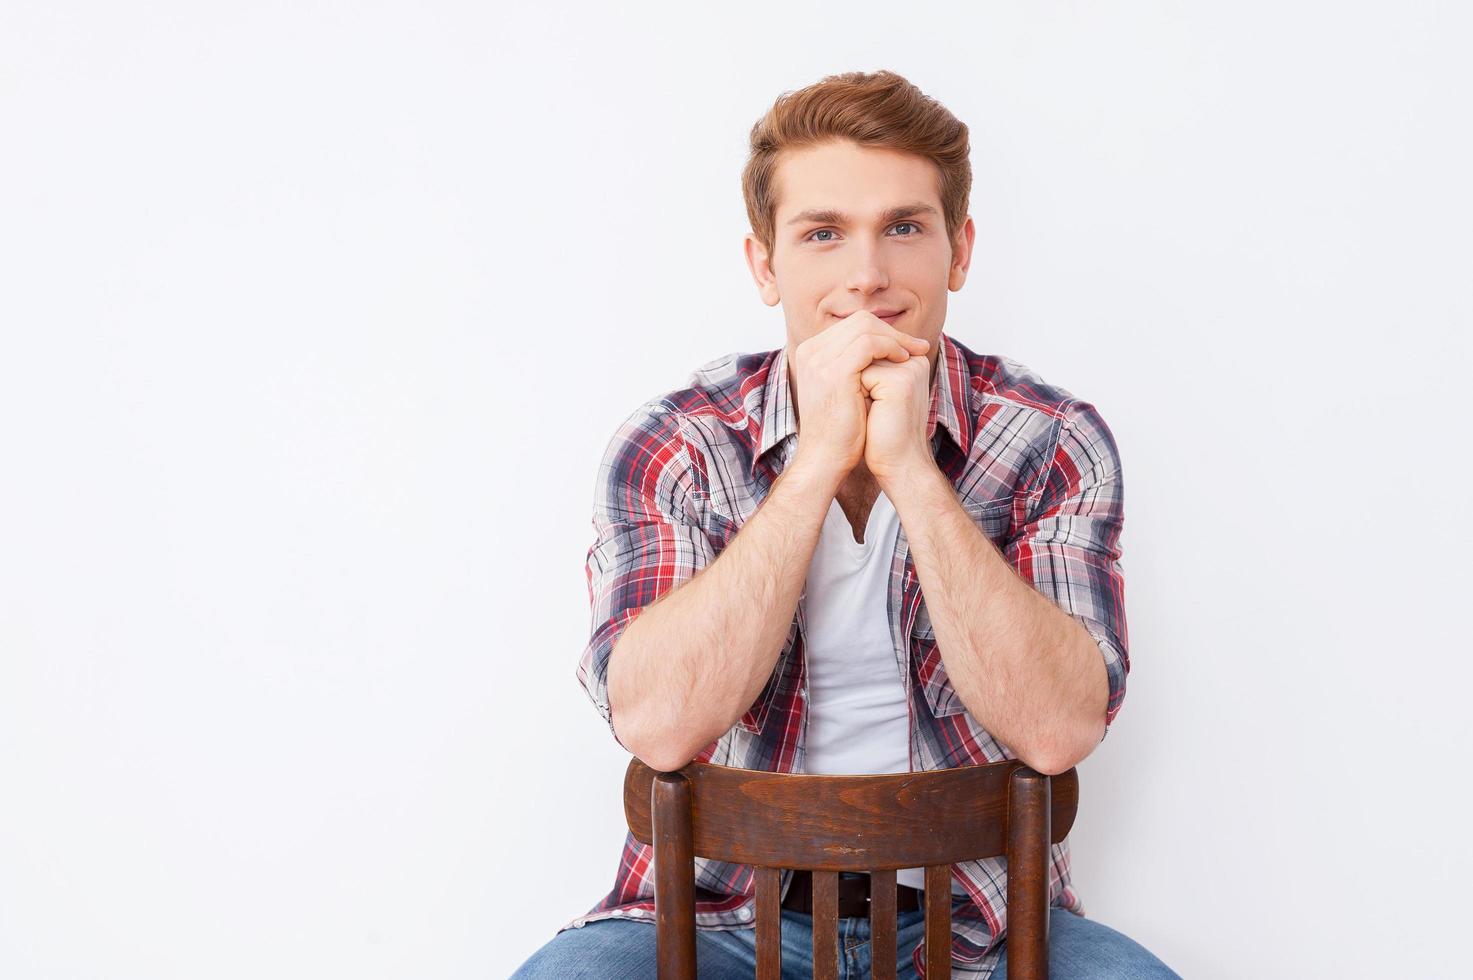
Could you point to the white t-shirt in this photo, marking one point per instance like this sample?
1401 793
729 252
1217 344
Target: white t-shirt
858 719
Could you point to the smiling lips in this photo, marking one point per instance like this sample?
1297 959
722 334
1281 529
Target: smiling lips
888 316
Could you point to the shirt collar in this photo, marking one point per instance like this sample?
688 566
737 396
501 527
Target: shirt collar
949 396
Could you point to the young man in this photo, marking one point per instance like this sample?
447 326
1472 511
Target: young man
907 552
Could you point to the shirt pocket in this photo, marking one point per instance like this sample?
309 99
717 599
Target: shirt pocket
995 519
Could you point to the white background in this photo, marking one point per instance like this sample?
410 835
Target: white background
317 319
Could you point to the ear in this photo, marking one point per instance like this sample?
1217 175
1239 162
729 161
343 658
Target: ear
961 254
759 261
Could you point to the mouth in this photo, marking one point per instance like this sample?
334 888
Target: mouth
890 318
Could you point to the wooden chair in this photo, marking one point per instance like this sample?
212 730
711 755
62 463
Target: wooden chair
829 824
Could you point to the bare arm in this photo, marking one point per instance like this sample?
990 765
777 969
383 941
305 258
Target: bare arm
1023 667
1033 636
689 664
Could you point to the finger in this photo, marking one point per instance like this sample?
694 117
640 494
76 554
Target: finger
869 323
882 371
874 374
878 373
867 348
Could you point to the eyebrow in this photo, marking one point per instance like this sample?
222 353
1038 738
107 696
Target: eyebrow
829 216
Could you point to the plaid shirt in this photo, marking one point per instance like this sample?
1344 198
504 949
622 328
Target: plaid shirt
1035 467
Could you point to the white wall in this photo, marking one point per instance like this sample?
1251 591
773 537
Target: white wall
317 317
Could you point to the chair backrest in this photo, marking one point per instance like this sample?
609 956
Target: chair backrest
830 824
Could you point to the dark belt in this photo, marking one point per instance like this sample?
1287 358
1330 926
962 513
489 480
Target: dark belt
853 895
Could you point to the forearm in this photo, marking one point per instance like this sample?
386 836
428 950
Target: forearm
1026 670
687 667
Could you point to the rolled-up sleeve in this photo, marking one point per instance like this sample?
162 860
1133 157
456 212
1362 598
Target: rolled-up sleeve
647 534
1070 547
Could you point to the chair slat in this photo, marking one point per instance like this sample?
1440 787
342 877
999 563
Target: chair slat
769 924
1028 860
825 925
675 882
938 922
882 924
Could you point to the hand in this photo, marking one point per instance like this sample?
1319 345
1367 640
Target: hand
895 435
832 401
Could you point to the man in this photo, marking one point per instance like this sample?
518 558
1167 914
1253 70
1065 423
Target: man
907 551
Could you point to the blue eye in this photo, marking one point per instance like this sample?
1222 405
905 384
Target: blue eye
830 231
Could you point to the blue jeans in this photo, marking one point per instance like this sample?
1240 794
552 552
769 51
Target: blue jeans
1079 949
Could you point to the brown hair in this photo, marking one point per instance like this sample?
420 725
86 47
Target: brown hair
873 109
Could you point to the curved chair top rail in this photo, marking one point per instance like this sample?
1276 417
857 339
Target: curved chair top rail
848 823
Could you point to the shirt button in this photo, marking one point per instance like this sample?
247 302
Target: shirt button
744 912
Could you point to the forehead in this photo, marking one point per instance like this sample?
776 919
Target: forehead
858 180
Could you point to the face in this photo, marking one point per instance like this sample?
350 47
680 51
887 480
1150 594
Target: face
859 228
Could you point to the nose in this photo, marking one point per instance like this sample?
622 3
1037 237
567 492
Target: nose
867 274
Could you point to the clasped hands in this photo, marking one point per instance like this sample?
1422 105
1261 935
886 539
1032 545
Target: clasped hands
899 407
866 396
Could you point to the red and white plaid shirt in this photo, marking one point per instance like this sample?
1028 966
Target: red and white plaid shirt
1035 467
